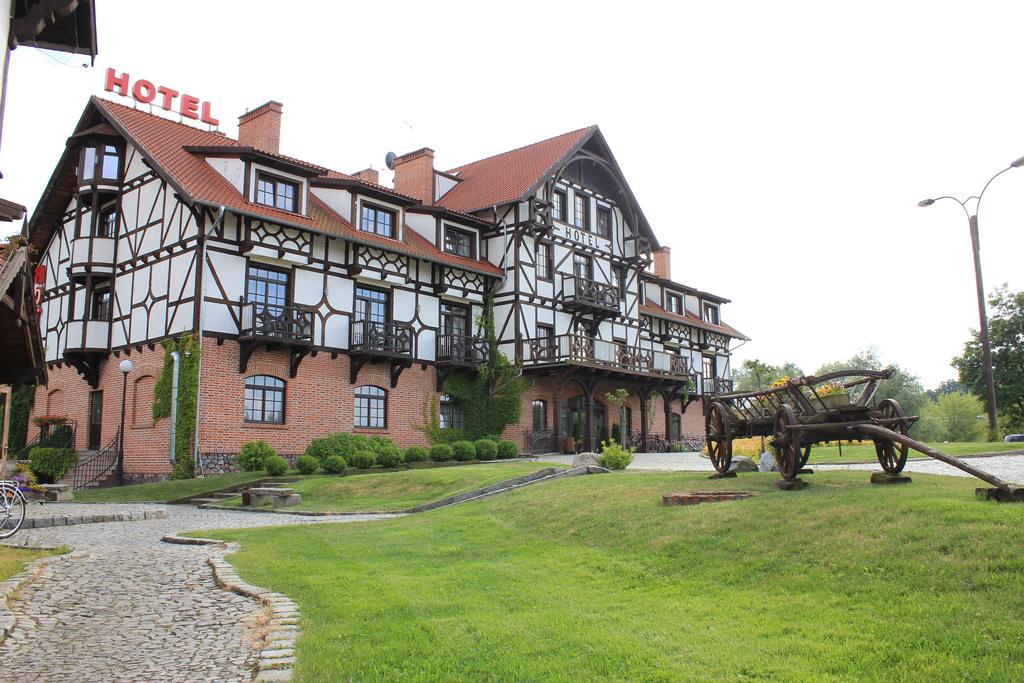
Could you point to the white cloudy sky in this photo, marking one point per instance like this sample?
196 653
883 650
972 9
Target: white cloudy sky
779 148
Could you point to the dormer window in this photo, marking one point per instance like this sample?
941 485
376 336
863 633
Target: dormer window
377 221
710 314
674 303
276 192
604 221
459 242
101 162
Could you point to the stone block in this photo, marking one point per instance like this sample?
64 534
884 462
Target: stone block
586 460
884 478
1013 495
790 484
742 464
287 501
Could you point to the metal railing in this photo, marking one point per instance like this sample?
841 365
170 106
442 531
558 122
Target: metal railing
581 291
96 466
540 442
44 438
460 349
392 339
583 350
283 323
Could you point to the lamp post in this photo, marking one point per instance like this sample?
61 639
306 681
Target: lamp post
986 347
126 367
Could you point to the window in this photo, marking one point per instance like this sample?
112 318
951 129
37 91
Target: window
275 192
89 157
673 303
451 413
99 304
676 430
544 265
459 242
710 314
268 288
371 407
378 221
581 217
540 416
619 278
455 320
106 225
604 221
110 164
545 341
264 399
708 368
583 266
558 205
102 161
372 305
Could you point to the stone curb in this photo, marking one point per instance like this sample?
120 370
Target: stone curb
277 658
7 588
70 520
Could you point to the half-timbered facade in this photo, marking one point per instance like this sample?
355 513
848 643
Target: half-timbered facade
333 303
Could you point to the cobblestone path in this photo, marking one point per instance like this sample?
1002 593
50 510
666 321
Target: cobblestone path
127 607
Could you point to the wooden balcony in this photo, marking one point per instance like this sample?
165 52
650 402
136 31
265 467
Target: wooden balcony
371 341
584 294
274 327
91 256
461 350
575 349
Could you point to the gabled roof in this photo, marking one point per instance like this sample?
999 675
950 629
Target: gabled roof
654 310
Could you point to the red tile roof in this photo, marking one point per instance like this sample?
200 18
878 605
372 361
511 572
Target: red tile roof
508 176
648 308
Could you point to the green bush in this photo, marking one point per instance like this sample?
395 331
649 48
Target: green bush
50 464
486 449
389 457
614 456
60 436
416 454
441 452
507 449
335 464
321 449
363 460
253 456
380 445
307 464
276 465
464 450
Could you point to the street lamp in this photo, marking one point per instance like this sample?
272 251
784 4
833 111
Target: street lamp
126 367
986 347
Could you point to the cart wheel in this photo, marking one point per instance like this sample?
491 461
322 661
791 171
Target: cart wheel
786 443
891 455
718 426
806 456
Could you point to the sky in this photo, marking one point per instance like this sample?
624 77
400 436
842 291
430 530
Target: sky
779 148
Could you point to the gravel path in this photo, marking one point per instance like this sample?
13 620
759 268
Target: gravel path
127 607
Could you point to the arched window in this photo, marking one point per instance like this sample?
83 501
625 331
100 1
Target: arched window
264 399
371 407
451 413
540 416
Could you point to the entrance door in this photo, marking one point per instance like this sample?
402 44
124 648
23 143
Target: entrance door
95 420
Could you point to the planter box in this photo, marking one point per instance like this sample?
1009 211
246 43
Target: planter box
835 401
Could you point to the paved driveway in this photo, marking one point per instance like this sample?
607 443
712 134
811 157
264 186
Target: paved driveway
128 607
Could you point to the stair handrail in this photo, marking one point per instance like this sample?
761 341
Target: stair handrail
96 466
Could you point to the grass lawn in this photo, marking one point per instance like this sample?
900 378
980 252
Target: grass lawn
12 560
163 491
590 578
865 452
399 490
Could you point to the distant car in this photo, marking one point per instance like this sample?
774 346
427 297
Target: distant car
1013 438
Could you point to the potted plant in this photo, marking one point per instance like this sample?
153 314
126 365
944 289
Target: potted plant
833 395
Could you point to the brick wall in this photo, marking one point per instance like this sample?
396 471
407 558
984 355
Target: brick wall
261 127
414 175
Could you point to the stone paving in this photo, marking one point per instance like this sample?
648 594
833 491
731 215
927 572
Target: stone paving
126 607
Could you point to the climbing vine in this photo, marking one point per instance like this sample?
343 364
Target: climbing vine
188 347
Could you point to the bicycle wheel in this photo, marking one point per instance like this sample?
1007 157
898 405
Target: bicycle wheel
12 508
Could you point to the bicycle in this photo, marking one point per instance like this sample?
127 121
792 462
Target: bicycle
12 508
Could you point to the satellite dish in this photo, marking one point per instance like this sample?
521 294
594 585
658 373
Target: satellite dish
389 160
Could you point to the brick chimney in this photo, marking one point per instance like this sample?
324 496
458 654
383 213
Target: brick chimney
369 175
414 175
663 263
261 127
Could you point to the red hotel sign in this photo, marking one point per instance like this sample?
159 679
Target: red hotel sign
144 91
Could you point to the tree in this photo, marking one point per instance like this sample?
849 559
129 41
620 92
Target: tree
904 386
755 374
947 386
952 417
1006 335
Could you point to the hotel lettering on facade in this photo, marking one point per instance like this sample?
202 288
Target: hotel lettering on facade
333 303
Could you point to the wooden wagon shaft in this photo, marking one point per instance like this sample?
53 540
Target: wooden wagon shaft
890 435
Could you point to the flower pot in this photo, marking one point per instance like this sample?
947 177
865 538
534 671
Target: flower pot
833 401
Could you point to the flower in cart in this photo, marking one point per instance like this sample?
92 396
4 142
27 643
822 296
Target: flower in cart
781 382
830 389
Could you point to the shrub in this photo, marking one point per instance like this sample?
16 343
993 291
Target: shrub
389 457
614 456
486 449
464 450
321 449
253 455
307 464
60 436
441 452
363 459
50 464
416 454
380 445
276 465
346 445
507 449
335 464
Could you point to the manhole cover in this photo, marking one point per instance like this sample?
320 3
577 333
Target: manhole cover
697 497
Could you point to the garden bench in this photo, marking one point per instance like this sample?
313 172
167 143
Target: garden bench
57 493
280 497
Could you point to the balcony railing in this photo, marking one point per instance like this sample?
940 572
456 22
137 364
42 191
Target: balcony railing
584 293
578 349
460 349
381 339
285 324
715 385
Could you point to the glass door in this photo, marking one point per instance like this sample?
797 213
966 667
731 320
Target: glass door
95 420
